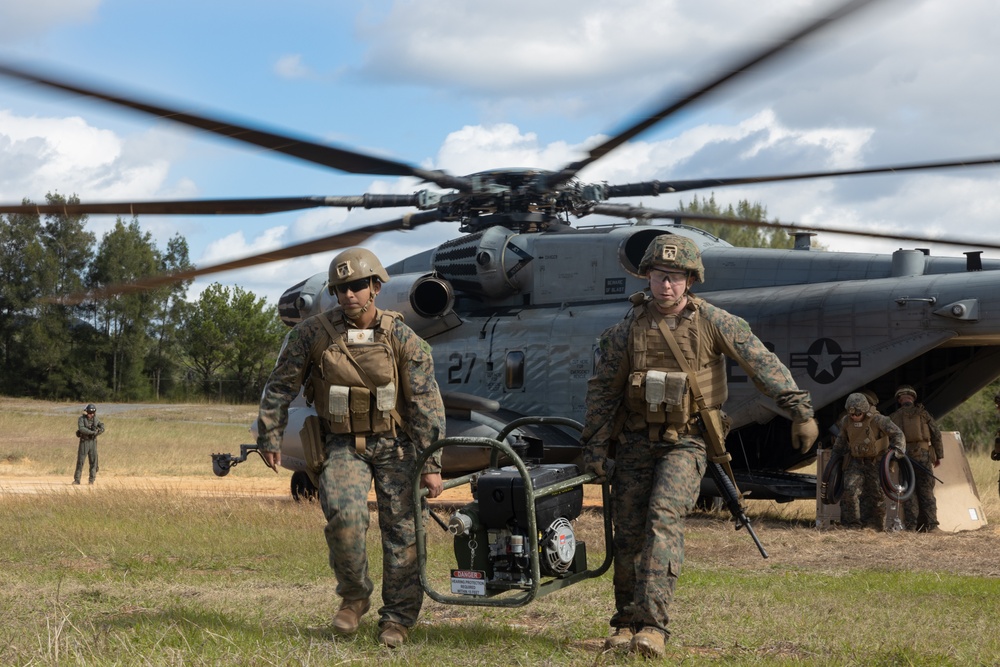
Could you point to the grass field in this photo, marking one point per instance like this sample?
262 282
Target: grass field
131 572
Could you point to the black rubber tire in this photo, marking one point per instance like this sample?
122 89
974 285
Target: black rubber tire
832 489
302 486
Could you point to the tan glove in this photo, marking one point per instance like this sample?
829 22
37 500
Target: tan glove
804 434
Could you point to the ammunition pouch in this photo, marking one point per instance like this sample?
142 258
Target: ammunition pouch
665 403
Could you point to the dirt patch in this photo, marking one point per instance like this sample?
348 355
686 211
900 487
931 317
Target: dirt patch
711 538
788 534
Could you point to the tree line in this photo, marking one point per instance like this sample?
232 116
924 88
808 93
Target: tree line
152 345
156 345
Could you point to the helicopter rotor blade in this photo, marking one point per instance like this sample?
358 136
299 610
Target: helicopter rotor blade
639 212
304 149
249 206
325 244
653 188
732 72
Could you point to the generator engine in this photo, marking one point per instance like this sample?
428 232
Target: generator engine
490 534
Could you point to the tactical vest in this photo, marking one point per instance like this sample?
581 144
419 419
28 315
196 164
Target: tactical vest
915 429
658 397
355 379
863 438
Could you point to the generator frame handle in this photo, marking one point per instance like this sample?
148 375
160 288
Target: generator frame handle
538 588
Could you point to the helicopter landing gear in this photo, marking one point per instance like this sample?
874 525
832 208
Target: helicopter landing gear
302 487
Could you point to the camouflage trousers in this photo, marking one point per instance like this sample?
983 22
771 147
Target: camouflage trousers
87 450
654 487
920 511
863 502
344 483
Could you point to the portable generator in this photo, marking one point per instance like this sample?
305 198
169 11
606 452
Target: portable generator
517 534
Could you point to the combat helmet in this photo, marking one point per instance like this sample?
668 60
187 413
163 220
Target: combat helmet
857 401
355 264
906 389
91 408
674 252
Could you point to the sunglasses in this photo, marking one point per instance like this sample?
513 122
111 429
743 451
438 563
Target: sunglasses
355 286
857 413
675 277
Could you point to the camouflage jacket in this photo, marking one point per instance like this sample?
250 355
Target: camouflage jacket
879 424
724 334
421 407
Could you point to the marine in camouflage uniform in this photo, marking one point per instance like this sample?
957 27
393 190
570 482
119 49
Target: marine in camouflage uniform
923 445
88 427
866 436
351 460
658 465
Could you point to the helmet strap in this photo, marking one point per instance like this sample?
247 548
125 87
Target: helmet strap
664 305
355 313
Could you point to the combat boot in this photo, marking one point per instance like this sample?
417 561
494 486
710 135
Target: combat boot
620 638
648 642
392 634
349 615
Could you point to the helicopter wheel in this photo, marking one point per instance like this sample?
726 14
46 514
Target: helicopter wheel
302 486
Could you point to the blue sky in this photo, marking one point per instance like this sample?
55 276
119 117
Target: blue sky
467 86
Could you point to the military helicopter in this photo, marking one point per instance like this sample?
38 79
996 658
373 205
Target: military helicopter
514 306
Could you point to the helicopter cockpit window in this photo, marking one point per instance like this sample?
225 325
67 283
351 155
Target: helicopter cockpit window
514 370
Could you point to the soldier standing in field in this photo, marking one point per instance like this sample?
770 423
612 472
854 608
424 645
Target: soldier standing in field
88 427
372 380
642 403
923 445
866 437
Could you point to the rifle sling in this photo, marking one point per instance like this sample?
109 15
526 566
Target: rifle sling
715 455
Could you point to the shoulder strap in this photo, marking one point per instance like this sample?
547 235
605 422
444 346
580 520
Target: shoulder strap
711 422
699 398
329 327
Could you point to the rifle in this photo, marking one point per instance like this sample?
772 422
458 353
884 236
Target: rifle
927 470
732 499
709 419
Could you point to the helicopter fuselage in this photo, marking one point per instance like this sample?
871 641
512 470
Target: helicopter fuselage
515 318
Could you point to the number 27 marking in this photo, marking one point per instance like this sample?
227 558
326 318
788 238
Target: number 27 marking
458 362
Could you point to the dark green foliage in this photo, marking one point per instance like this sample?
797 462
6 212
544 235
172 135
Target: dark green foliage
136 346
977 419
746 236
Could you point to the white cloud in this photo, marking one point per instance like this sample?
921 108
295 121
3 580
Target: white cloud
21 20
291 67
40 155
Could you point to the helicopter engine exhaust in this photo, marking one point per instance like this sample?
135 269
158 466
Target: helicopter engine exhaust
425 300
302 299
